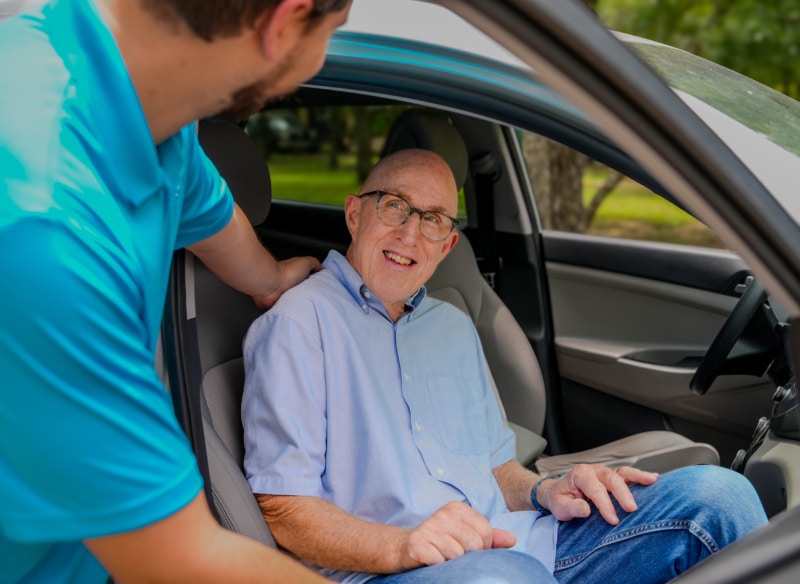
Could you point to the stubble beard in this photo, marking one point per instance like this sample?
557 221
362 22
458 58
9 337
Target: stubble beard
252 98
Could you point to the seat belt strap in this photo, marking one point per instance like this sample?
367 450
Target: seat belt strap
485 173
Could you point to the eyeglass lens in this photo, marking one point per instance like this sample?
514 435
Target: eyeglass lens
393 210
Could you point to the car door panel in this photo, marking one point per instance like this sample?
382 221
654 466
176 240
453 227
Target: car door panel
635 340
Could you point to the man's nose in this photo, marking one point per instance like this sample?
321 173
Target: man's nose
409 231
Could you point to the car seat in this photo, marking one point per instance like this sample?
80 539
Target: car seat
216 320
512 361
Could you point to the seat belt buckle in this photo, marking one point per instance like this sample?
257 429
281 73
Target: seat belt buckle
488 268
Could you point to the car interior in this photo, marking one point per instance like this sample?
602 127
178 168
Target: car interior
591 342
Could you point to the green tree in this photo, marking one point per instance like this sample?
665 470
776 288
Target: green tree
756 38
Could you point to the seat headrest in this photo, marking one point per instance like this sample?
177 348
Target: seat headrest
417 128
240 163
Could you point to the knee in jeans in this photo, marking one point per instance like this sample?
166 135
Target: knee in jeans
723 494
499 566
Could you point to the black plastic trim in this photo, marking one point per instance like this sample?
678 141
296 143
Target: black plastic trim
182 358
694 267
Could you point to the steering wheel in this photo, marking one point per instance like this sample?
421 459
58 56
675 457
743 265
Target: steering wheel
741 315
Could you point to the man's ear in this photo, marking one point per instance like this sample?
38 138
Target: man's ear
449 243
281 28
352 212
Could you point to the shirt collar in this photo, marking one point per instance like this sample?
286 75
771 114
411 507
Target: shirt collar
115 121
361 294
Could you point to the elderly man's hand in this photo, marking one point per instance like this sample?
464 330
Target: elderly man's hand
568 497
449 533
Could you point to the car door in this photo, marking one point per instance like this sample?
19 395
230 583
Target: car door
618 324
625 320
632 321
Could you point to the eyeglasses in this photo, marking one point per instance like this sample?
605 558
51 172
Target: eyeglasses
395 210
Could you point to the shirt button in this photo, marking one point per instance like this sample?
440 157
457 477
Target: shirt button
440 471
406 377
418 426
367 295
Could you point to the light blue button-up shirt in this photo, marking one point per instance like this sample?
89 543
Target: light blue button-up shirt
387 420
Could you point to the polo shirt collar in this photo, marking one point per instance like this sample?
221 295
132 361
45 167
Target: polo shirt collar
115 119
354 283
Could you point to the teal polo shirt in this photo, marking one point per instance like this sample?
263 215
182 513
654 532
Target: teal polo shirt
90 214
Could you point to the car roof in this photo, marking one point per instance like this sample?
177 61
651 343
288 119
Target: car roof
425 22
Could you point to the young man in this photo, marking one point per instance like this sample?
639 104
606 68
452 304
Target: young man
375 444
102 179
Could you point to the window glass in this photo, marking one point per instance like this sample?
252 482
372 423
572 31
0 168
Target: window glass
576 194
320 154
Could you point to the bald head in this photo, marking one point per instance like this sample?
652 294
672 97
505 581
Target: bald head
415 163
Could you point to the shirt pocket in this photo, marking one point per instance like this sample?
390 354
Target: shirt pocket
459 414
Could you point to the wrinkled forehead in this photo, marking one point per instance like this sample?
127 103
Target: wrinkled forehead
426 183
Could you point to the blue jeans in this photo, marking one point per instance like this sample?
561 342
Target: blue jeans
487 567
684 517
687 515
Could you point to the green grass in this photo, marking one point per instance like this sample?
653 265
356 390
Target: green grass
308 178
632 211
630 200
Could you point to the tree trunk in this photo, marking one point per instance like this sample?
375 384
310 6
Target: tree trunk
336 132
363 143
556 174
611 182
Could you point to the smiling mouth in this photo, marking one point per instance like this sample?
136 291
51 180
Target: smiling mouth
398 259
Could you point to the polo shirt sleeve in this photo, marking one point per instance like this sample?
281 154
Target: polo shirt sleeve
90 443
284 404
208 202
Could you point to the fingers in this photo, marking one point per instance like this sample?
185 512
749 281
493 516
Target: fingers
636 476
297 269
597 483
503 539
429 549
449 533
291 272
314 265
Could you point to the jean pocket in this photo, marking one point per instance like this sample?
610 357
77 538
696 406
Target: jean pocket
459 414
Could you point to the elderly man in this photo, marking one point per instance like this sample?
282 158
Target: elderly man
377 451
102 180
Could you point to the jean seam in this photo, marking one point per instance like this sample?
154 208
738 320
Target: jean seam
670 525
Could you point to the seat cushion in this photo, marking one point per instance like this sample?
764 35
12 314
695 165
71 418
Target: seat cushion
656 451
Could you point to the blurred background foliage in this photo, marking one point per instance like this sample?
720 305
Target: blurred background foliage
758 38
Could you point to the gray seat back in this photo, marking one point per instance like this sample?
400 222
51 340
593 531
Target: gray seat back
511 359
223 316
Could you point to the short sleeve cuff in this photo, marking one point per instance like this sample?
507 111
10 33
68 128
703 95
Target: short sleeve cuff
282 486
506 451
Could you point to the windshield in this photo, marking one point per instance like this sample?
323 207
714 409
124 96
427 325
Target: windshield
747 101
761 125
